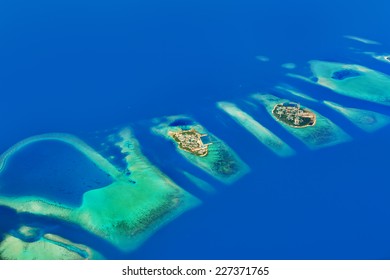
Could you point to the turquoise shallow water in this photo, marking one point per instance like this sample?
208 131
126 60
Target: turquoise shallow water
86 66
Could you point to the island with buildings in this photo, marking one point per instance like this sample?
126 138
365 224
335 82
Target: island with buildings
319 131
191 141
294 115
200 147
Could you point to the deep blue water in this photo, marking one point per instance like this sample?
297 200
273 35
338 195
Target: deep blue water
51 170
81 66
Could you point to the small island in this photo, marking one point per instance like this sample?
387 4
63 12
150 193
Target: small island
294 115
387 58
191 141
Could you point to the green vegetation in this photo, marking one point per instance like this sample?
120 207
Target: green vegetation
221 161
323 134
190 141
294 116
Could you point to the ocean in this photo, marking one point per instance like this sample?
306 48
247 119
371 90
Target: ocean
84 66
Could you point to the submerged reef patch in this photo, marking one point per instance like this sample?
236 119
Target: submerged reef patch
289 65
265 136
200 183
140 200
366 120
362 40
292 91
366 84
221 161
323 134
43 247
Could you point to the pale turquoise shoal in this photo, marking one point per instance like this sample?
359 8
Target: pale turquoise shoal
200 183
126 212
366 120
222 162
383 57
264 135
362 40
294 92
289 65
370 85
46 247
323 134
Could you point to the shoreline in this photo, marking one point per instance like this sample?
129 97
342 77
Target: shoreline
290 125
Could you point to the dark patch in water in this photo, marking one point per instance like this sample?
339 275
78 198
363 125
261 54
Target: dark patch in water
181 122
9 219
314 79
206 139
290 104
345 74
